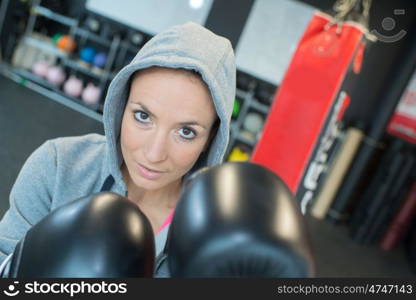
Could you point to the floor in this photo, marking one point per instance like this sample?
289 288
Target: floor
27 119
339 256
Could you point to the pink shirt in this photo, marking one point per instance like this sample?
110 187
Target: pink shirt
167 221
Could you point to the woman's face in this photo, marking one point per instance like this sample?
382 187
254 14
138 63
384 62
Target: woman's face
165 127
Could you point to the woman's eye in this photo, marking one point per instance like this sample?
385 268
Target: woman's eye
142 116
187 133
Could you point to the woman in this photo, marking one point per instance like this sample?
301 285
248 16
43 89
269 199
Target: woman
166 114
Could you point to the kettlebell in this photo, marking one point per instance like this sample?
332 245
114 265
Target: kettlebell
91 94
55 75
40 68
73 86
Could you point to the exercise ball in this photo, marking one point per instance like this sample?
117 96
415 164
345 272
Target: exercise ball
100 60
87 54
56 37
66 43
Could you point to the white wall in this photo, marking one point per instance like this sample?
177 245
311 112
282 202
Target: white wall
266 45
270 37
151 16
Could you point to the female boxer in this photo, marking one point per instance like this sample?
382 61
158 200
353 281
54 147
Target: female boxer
166 114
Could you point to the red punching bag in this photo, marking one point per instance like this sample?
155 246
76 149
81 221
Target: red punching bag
310 99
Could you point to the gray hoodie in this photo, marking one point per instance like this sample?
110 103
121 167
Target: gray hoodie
67 168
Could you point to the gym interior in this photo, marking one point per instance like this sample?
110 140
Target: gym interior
330 108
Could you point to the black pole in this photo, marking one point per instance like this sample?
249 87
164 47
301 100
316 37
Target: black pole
389 96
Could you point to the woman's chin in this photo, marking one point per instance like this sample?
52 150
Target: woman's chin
147 184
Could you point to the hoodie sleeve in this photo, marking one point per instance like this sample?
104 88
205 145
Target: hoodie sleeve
30 197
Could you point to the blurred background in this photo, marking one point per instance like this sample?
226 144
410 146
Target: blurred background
326 97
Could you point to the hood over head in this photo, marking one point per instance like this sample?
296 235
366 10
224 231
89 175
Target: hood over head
187 46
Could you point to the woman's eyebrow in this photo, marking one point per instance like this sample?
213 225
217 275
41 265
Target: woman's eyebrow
188 123
144 108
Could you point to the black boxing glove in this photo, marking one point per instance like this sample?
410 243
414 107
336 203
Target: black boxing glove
102 235
238 220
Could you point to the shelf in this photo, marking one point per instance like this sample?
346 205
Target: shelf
86 70
260 106
240 94
43 11
39 80
45 46
92 36
66 60
241 138
129 47
52 91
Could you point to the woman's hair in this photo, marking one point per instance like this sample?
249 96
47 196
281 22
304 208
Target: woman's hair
214 129
192 74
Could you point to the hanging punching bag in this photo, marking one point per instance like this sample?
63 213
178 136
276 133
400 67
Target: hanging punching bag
301 125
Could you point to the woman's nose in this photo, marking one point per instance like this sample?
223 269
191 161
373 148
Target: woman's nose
156 148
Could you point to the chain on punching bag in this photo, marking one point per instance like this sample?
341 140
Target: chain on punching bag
313 96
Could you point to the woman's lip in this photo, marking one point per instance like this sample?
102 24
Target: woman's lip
148 173
152 170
